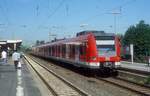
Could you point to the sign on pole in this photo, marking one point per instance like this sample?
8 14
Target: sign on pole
131 52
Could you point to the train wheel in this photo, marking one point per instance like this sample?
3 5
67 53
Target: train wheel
105 72
86 72
114 73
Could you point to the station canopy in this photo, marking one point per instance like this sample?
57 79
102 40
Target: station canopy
10 44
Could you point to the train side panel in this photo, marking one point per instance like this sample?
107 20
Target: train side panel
81 51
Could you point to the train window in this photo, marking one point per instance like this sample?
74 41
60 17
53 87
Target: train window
63 50
73 50
52 51
70 49
55 48
82 49
58 50
49 50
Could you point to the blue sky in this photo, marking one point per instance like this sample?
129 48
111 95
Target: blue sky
32 20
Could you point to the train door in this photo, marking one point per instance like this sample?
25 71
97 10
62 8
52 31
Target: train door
63 51
67 51
82 51
77 53
73 52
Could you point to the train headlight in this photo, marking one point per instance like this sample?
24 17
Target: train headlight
117 64
93 58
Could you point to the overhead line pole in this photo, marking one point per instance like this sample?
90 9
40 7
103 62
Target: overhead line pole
115 22
115 19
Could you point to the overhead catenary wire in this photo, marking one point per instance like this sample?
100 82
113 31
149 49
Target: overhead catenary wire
120 7
67 9
4 13
51 14
37 10
55 10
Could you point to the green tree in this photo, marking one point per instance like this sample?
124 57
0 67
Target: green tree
42 42
37 42
139 35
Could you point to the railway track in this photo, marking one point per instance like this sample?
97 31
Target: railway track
134 76
125 84
144 91
134 71
56 84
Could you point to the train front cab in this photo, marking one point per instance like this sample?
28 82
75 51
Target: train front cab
103 52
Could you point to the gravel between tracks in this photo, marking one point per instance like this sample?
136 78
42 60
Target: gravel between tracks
90 85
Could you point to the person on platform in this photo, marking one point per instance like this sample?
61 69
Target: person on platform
16 58
4 56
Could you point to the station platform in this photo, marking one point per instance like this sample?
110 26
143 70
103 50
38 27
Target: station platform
18 82
135 66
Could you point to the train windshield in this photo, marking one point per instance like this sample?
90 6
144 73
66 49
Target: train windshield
105 45
106 50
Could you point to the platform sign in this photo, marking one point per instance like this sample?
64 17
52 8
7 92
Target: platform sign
131 52
131 49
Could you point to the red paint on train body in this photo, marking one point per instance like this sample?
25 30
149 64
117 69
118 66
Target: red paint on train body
90 50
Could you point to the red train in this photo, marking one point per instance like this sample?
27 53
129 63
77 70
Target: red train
89 49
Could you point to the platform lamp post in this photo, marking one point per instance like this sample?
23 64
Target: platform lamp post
147 55
131 52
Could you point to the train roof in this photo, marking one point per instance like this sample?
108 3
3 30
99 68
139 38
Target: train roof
75 40
96 33
81 36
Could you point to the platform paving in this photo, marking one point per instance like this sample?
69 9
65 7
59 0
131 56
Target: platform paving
137 66
17 83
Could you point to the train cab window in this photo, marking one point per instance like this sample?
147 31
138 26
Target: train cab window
106 50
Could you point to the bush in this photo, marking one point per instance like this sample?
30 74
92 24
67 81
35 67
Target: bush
148 81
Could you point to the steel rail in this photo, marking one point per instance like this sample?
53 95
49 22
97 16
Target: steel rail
134 71
51 89
80 91
127 85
